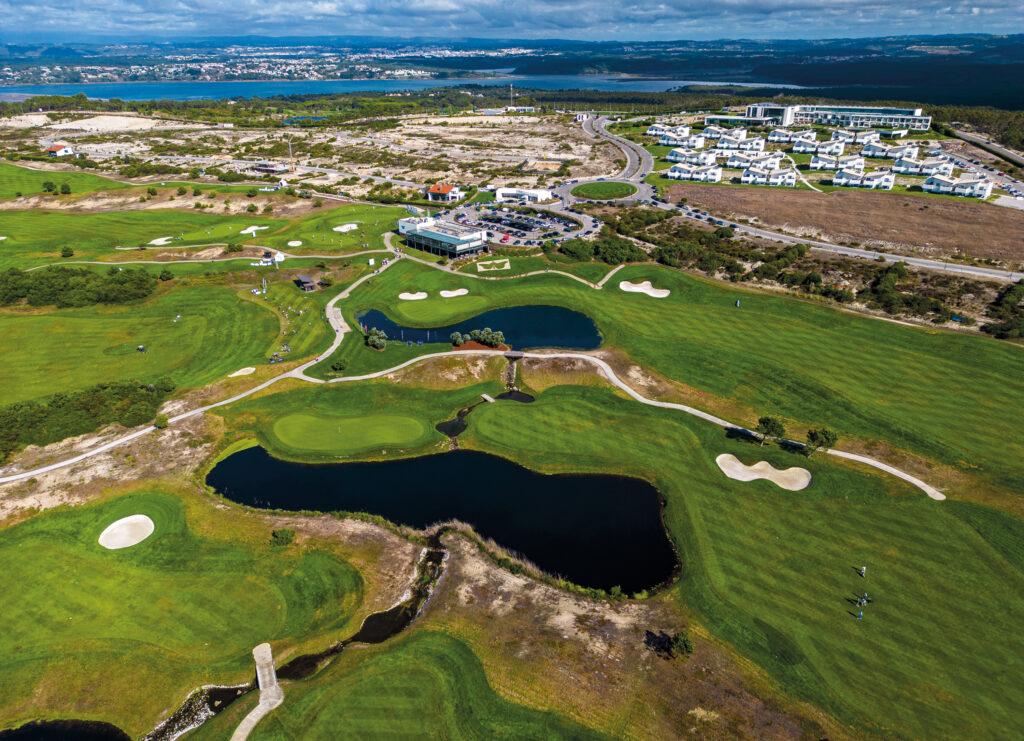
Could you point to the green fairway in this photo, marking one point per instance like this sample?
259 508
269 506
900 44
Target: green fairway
316 231
64 349
15 180
954 398
604 191
347 434
36 237
771 571
123 635
592 271
425 686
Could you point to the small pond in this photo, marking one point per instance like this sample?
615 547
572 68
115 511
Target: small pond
65 730
524 327
597 531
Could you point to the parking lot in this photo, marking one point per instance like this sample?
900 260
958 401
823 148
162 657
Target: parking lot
511 227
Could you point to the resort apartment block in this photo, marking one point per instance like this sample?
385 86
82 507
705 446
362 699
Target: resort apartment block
811 146
969 186
876 180
878 150
853 117
706 174
779 177
828 162
691 156
929 166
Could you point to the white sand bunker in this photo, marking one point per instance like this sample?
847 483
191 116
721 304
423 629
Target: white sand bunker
488 265
456 292
644 287
126 532
793 479
161 241
295 243
243 371
418 296
253 229
2 239
346 228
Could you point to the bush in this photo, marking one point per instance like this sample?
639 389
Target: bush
234 247
252 208
182 191
376 339
66 252
166 274
339 365
151 191
680 644
281 538
251 193
161 422
65 189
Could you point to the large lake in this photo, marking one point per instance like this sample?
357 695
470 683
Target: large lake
265 89
524 327
597 531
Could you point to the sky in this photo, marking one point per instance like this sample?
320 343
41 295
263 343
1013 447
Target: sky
145 20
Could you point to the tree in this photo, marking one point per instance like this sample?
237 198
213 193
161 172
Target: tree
281 538
251 208
66 252
166 274
196 192
680 644
181 190
820 437
339 365
65 189
251 193
456 338
161 422
48 186
151 191
377 339
770 427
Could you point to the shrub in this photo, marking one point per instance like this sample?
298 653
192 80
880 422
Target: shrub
252 208
339 365
234 247
65 189
281 538
182 191
377 339
251 193
161 422
66 252
680 644
151 191
166 274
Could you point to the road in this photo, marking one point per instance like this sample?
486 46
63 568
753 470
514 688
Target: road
1008 154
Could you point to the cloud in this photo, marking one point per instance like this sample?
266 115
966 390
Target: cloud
579 19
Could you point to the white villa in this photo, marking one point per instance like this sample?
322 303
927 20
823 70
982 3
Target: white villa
659 129
929 166
674 139
856 137
877 180
807 146
784 177
691 157
828 162
786 135
879 150
717 132
969 186
531 195
706 174
743 160
729 143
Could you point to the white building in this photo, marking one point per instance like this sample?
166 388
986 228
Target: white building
930 166
706 174
691 157
675 139
441 237
531 195
805 146
715 132
879 150
828 162
856 137
743 160
782 136
657 129
784 177
60 150
694 141
755 176
753 144
876 180
969 186
855 117
444 193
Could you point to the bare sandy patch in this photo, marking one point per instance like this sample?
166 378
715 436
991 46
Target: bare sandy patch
243 371
161 241
456 292
793 479
645 287
24 121
126 532
418 296
104 124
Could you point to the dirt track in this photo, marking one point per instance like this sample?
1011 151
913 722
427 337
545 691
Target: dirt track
926 226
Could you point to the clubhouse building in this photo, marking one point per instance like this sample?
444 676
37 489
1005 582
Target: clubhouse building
442 237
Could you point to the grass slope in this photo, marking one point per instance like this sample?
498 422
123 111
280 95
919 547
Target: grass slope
65 349
954 398
426 686
121 635
15 180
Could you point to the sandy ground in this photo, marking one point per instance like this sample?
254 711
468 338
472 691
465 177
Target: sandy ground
418 296
915 224
644 287
793 479
24 121
456 292
126 532
106 124
243 371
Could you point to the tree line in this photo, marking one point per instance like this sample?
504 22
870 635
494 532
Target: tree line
66 286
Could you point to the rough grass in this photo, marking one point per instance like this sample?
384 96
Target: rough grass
603 191
426 685
15 180
65 349
316 231
124 635
953 398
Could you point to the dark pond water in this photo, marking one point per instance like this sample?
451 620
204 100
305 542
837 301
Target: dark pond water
597 531
65 730
524 327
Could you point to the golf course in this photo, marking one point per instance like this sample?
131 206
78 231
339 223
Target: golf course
604 191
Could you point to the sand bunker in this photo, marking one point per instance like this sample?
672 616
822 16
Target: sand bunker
2 239
419 296
242 371
126 532
252 229
793 479
488 265
644 287
346 228
161 241
456 292
295 243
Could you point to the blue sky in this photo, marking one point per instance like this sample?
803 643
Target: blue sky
69 20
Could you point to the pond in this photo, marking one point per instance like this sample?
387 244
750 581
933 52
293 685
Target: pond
597 531
524 327
65 730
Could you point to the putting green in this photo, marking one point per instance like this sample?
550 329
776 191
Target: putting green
604 191
121 635
347 434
